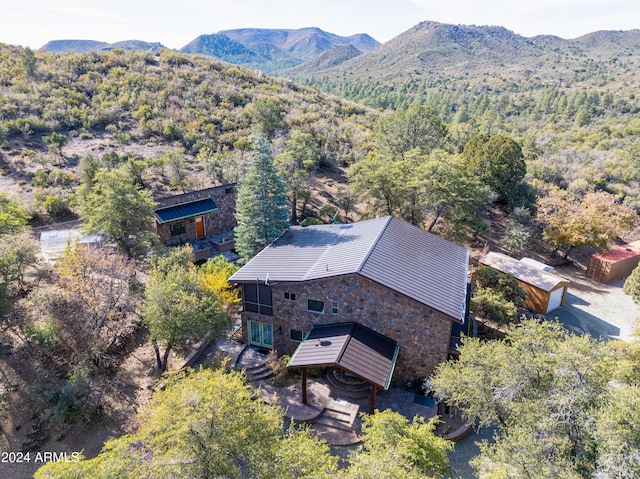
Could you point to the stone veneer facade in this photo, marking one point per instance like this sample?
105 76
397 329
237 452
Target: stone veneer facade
422 332
215 222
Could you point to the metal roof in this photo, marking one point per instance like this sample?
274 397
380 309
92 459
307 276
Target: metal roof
53 242
352 347
185 210
522 271
620 253
386 250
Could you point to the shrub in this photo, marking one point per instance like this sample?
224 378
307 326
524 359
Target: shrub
493 306
505 284
516 238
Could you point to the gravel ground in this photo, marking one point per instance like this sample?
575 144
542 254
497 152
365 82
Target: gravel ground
601 310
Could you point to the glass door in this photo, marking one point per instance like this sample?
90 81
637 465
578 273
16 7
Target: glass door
260 334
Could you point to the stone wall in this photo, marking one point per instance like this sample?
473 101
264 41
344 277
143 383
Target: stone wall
422 332
216 222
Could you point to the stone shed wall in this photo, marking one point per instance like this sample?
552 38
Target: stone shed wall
422 332
216 222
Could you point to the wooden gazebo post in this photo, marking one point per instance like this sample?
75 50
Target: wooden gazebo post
304 385
372 399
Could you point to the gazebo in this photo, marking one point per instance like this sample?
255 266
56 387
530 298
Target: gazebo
351 347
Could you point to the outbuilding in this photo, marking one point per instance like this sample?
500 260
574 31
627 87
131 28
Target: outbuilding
617 263
545 291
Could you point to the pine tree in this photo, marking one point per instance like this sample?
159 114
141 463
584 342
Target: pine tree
261 209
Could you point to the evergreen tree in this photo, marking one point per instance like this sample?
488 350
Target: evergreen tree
261 209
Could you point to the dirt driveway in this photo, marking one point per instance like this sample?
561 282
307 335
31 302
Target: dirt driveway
601 310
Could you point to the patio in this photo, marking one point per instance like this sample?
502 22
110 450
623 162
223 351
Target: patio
334 401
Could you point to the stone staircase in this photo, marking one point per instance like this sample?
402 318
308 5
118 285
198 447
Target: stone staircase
344 385
335 424
254 364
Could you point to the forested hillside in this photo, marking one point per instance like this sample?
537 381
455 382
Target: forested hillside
571 104
184 121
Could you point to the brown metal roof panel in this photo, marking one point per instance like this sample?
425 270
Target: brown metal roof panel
420 265
349 250
359 359
312 252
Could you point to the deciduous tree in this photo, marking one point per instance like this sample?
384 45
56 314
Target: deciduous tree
295 164
114 206
206 424
213 276
97 307
177 307
12 215
395 447
596 220
548 393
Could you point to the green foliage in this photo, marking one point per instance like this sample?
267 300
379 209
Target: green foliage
451 196
177 306
551 395
268 115
505 284
261 208
299 158
55 139
492 305
12 215
18 253
66 401
596 220
213 276
206 424
632 285
394 447
516 238
499 163
115 207
417 127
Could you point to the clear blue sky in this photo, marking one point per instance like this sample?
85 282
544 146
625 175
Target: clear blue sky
175 23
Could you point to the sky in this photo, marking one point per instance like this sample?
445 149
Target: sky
175 23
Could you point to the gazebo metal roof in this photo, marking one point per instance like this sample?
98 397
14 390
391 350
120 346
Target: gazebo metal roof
354 348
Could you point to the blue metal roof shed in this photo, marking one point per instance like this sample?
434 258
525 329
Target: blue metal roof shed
185 210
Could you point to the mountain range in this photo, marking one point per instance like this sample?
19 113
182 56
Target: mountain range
429 56
265 49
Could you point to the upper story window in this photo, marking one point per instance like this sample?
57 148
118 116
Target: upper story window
257 298
334 307
315 306
228 190
289 296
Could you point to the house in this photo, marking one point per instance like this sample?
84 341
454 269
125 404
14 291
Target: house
384 274
203 218
545 291
617 263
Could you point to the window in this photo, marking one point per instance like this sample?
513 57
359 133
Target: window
296 335
228 190
289 296
334 307
315 306
257 299
177 229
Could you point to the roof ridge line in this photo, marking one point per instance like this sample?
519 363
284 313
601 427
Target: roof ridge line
324 253
373 244
346 343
